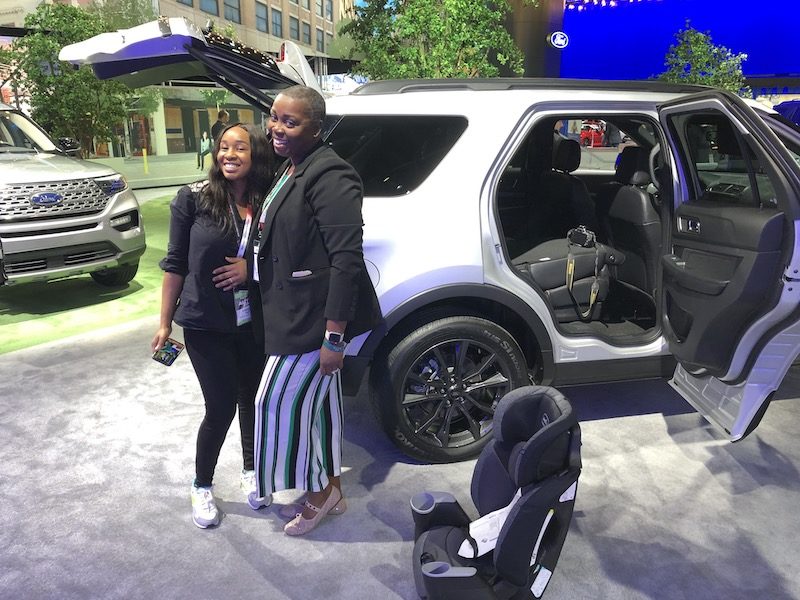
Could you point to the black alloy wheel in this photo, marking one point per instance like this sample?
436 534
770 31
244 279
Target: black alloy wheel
446 378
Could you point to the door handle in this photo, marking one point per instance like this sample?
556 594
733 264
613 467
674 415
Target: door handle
689 225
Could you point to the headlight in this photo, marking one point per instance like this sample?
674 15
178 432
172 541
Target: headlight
112 184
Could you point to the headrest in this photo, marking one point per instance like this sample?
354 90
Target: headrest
533 423
633 166
566 154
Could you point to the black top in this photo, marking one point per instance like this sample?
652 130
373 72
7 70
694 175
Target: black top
196 247
216 128
310 261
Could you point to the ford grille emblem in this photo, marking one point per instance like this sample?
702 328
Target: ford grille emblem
47 199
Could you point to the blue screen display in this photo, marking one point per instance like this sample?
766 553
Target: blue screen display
630 40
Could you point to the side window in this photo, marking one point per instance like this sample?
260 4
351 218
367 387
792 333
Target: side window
725 167
393 155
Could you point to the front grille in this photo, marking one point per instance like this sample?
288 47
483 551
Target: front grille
80 197
56 258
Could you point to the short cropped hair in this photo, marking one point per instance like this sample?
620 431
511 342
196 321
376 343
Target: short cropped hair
221 114
312 99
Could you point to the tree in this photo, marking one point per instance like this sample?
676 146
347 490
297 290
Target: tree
67 102
215 96
433 38
696 59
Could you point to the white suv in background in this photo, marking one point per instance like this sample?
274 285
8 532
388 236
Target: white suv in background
503 253
60 216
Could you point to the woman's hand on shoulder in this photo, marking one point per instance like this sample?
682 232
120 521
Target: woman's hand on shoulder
232 275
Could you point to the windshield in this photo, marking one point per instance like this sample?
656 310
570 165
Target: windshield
787 131
20 134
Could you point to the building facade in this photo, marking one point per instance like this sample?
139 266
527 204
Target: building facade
185 112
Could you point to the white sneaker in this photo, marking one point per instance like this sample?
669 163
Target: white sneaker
204 509
247 482
255 502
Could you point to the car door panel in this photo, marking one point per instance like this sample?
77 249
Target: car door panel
728 281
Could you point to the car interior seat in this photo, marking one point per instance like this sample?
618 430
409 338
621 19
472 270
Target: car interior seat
523 487
635 226
581 296
565 201
624 169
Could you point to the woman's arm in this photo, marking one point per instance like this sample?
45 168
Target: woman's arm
171 287
176 262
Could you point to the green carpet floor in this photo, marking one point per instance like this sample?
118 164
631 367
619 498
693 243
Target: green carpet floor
35 313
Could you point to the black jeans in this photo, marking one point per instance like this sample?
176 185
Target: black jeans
228 367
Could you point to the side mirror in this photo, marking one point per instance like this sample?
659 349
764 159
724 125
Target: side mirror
70 146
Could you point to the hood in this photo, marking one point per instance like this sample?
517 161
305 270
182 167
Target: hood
45 167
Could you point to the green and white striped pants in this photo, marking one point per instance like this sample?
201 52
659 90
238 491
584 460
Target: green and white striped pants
298 436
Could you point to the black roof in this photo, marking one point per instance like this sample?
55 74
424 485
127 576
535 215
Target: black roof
400 86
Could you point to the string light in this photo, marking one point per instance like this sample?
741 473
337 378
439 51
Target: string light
581 5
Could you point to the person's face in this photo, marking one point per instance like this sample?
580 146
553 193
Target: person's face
234 156
293 131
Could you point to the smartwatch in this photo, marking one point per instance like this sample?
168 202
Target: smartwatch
334 341
334 337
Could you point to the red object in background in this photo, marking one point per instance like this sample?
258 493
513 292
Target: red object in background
591 135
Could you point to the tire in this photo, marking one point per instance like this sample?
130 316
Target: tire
116 276
446 418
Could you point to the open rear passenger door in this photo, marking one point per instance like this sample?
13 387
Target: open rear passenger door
731 278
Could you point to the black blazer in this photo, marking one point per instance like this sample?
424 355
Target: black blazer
310 261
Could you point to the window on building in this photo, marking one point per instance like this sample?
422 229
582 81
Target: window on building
306 4
293 1
320 41
319 8
261 17
329 10
277 23
232 12
294 28
186 2
328 41
209 6
306 33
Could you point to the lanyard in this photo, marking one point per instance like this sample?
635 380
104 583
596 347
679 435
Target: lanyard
270 197
248 222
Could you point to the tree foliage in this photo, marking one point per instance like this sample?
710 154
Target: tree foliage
67 102
433 38
695 59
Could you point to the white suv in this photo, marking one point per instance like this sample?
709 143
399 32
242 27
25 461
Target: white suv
60 216
504 253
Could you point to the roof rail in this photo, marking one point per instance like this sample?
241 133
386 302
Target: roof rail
403 86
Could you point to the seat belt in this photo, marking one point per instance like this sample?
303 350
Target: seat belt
586 240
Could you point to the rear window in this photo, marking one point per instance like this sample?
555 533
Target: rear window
393 154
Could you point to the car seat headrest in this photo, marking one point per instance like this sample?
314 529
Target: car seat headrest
566 154
533 423
633 167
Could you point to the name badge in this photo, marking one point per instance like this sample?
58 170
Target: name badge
242 303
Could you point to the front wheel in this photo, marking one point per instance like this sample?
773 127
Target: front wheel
116 276
438 387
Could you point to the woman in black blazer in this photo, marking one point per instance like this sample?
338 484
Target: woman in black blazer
315 296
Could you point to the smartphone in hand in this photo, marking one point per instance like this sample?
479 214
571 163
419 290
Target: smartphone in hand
167 354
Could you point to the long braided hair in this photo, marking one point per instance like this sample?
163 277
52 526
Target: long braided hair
215 196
